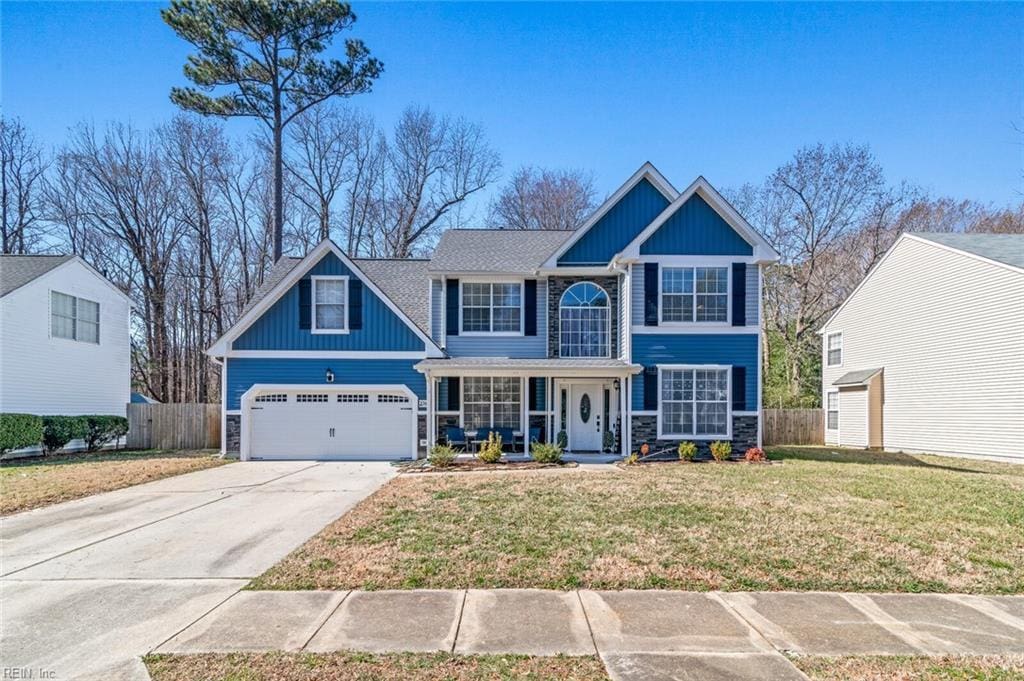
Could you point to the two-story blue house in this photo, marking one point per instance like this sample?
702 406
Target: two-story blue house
642 326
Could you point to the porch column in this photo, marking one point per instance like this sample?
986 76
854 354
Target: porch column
430 412
623 417
524 407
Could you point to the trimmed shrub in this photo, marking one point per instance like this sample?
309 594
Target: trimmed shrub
101 429
562 439
721 450
755 454
543 452
442 456
60 430
490 451
20 430
687 451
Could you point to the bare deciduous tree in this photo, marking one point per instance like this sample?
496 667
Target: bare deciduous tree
22 168
538 198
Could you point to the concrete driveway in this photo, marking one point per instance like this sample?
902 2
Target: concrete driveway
88 585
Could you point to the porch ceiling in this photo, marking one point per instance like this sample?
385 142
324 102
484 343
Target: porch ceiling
463 366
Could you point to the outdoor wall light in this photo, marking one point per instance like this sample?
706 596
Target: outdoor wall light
330 376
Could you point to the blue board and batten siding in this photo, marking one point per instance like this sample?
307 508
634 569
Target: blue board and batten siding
617 227
695 229
516 347
278 328
637 296
736 349
243 373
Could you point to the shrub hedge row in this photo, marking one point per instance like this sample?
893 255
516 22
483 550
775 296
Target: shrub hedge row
53 432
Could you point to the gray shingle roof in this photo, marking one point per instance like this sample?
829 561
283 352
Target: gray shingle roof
856 377
502 251
1004 248
18 270
405 282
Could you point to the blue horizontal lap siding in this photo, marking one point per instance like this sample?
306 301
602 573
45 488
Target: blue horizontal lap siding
618 227
695 229
514 347
731 349
243 373
278 328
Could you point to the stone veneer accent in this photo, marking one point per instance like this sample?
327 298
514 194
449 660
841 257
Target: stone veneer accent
233 441
421 433
744 436
558 285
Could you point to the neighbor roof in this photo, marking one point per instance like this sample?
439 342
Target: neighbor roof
501 251
18 270
856 377
1005 248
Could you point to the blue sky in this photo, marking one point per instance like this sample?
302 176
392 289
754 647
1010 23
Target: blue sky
727 91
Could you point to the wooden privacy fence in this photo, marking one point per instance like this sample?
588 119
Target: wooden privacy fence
173 426
794 427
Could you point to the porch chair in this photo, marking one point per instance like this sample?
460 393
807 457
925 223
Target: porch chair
455 436
508 439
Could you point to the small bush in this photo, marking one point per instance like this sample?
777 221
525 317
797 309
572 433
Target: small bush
20 430
490 451
755 454
631 460
608 440
687 451
543 452
562 439
721 450
442 456
60 430
102 429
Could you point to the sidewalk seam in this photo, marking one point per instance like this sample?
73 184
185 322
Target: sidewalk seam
586 618
458 624
230 596
326 619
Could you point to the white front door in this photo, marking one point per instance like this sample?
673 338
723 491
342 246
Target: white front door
586 405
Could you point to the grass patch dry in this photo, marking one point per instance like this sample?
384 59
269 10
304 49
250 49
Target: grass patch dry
829 521
369 667
44 481
949 668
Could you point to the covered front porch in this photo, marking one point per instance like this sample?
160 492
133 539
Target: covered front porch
581 403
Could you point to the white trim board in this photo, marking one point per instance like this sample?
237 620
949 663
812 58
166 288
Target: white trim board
326 354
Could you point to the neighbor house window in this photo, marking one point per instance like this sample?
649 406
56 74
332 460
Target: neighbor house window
492 308
835 349
74 318
694 294
832 410
491 401
330 304
584 321
694 402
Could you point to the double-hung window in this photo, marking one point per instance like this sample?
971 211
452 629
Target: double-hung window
832 410
492 307
74 318
330 304
694 294
491 401
835 349
694 402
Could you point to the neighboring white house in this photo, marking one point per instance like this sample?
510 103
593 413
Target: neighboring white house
927 353
64 346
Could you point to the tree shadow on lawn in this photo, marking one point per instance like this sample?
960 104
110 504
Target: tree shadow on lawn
109 455
881 458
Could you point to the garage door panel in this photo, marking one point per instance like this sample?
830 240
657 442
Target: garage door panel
332 425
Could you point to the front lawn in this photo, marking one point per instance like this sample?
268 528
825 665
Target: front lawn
949 668
349 666
43 481
824 520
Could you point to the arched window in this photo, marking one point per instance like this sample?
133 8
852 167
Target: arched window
584 321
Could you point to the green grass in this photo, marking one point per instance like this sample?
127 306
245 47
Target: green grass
823 520
947 668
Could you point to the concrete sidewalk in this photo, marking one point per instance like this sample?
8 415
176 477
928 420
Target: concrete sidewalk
639 634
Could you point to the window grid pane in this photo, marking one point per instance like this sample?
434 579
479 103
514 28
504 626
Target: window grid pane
583 320
695 402
492 307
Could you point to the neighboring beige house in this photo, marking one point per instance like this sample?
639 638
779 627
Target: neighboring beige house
927 353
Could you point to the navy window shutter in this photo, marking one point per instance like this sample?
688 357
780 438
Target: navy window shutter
305 304
453 393
530 307
451 296
739 294
650 388
739 388
651 287
355 304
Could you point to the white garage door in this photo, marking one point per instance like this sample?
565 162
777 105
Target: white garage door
322 424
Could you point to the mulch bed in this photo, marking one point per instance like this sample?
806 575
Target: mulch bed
653 462
475 465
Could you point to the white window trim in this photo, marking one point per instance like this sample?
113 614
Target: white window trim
559 322
312 308
728 402
705 324
491 402
522 308
842 349
75 339
837 411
